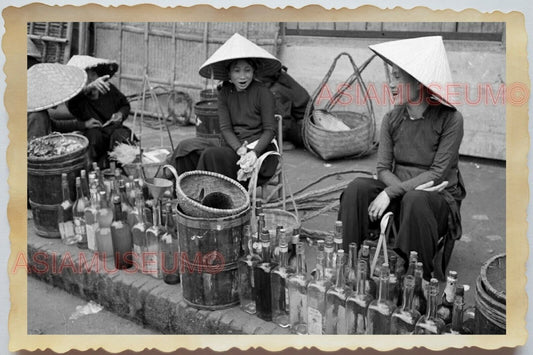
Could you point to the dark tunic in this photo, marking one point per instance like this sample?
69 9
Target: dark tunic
246 115
102 139
413 152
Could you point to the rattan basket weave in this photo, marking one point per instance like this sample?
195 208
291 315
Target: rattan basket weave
190 184
356 142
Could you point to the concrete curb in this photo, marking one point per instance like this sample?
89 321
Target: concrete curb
135 296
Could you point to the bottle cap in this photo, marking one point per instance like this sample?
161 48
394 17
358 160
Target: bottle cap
460 291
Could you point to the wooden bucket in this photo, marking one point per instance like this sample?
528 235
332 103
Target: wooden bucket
212 247
207 125
490 297
44 185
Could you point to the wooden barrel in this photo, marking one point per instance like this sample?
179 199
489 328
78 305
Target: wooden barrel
207 125
44 185
490 297
210 248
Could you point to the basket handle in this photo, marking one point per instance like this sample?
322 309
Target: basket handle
382 242
252 189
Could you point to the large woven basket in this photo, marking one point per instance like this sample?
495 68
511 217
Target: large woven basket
353 143
277 217
190 184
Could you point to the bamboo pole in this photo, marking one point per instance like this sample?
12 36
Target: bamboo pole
48 38
206 47
120 54
68 45
45 46
174 56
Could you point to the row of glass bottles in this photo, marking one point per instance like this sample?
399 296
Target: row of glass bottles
116 222
288 297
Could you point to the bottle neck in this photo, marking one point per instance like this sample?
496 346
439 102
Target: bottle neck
283 256
449 291
408 293
340 276
432 303
157 213
300 264
79 192
383 288
361 279
265 250
457 314
320 264
66 191
117 215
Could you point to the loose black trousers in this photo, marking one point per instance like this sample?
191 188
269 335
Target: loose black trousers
421 218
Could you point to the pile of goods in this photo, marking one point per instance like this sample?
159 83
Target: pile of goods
53 145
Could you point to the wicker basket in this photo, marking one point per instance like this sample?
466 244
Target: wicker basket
190 184
276 217
356 142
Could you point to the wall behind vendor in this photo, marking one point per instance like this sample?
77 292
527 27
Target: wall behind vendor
473 60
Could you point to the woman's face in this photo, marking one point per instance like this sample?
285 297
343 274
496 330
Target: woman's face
241 74
404 87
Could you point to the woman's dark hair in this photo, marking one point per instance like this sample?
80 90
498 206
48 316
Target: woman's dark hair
250 61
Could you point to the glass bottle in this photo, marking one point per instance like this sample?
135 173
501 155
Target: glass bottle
245 269
91 223
394 284
430 323
371 287
263 296
279 285
65 217
336 300
350 271
152 254
170 249
78 212
139 232
320 250
260 226
293 258
445 309
380 310
316 297
456 326
337 238
469 319
357 303
84 184
126 206
413 259
274 243
121 237
329 250
298 293
404 318
104 216
419 299
99 179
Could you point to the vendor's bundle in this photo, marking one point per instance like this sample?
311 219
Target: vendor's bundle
129 156
198 191
334 134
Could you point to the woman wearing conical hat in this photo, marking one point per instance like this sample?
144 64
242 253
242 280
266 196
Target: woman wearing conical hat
101 106
417 164
245 111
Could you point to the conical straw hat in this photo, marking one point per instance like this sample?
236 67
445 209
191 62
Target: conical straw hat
238 47
100 65
50 84
32 50
424 58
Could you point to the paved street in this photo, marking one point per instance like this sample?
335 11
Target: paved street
49 310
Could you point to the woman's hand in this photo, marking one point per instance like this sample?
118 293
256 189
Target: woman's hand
378 206
100 84
242 149
115 118
247 161
92 123
428 186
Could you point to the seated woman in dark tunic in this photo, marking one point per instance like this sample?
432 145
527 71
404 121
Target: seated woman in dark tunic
417 165
102 108
246 118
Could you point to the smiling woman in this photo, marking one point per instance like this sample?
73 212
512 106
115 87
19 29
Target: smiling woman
245 111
